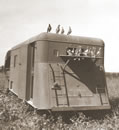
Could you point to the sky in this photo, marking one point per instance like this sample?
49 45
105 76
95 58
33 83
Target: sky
22 19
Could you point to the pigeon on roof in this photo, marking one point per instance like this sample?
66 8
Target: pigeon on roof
69 31
49 28
58 29
62 31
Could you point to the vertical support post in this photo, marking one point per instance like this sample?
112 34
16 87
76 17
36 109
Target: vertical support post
65 86
57 102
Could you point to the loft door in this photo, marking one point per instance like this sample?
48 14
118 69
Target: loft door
30 72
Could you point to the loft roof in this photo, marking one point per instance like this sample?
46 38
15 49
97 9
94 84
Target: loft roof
62 38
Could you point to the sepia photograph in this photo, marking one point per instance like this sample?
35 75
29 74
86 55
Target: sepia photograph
59 67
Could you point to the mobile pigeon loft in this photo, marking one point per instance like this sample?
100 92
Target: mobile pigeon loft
59 72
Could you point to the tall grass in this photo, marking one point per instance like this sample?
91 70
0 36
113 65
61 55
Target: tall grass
113 85
16 114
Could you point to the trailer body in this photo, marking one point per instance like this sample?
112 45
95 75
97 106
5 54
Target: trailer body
47 76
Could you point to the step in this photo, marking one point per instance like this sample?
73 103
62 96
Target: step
62 104
61 94
60 76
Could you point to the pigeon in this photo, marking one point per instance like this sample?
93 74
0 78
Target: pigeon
49 28
58 29
98 52
62 31
69 32
93 51
78 52
69 52
86 52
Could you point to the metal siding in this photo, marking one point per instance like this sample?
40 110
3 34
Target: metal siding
22 72
89 75
56 46
41 93
41 51
14 71
80 93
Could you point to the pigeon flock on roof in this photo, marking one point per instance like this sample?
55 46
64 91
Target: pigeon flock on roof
59 29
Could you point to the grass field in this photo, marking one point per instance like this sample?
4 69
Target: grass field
18 115
2 80
113 85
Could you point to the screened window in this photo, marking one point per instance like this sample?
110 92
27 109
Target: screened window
91 51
